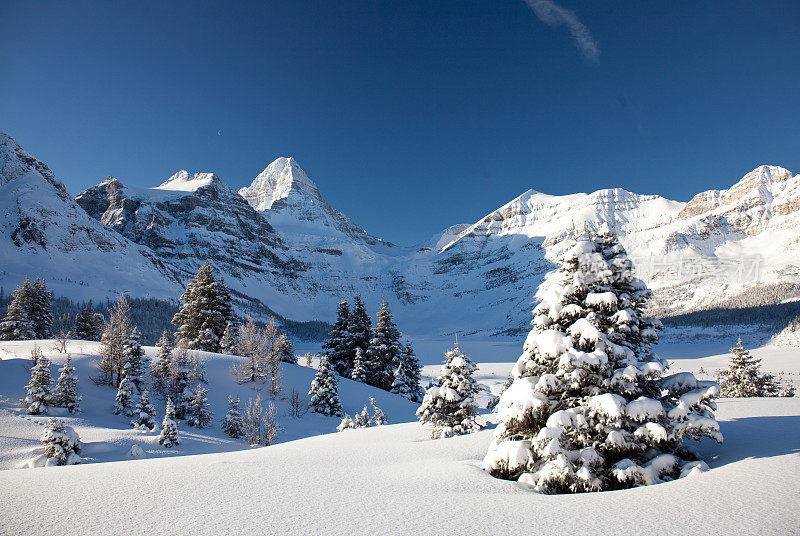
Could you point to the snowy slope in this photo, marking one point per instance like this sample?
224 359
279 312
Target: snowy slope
395 480
43 232
108 437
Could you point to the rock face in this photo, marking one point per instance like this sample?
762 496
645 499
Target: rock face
193 218
282 248
43 232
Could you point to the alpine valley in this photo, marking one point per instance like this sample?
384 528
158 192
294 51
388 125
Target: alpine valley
282 249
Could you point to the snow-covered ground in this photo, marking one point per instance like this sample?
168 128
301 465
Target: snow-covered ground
109 437
385 480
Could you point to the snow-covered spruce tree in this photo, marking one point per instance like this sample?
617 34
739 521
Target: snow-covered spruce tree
39 395
17 324
40 312
88 324
123 403
135 360
206 338
233 422
346 424
359 328
112 342
337 348
359 373
743 377
227 345
65 394
161 366
589 408
325 391
182 376
144 414
62 446
378 416
362 420
406 375
169 428
199 414
449 406
385 350
205 312
284 349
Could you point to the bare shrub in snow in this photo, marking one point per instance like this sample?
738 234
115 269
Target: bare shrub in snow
297 408
261 425
61 341
116 331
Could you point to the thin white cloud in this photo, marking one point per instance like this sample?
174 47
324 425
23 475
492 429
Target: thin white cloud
553 14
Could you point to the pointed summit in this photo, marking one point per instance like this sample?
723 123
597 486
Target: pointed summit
277 181
291 201
16 163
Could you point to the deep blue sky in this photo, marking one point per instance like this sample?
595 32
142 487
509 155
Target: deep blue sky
409 115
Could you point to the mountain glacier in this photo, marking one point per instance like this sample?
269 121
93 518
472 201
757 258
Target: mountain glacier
282 248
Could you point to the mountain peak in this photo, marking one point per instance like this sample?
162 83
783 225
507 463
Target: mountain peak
15 162
282 177
757 188
183 181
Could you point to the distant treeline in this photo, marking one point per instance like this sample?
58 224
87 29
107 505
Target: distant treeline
152 316
773 317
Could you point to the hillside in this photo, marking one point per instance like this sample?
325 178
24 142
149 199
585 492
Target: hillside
109 437
393 479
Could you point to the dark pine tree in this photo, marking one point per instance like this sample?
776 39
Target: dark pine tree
336 348
385 350
41 309
359 328
205 311
17 324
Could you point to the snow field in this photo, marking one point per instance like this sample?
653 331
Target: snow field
109 437
385 480
394 480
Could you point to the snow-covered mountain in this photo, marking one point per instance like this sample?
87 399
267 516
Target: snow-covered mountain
193 218
43 232
281 246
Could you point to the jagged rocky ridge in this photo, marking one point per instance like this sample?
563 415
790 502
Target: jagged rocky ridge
281 247
43 232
